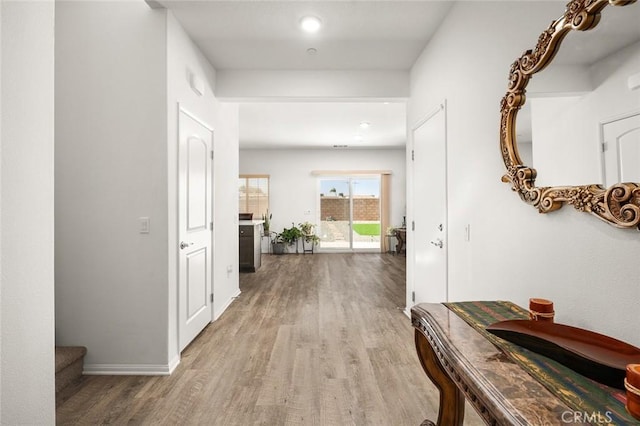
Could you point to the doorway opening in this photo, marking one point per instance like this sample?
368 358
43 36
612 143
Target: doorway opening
428 244
350 213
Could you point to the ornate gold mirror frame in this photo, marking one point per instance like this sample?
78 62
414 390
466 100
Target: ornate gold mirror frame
618 205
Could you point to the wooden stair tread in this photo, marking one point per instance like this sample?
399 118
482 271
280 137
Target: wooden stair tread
67 355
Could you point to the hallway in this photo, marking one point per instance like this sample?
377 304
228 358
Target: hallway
313 339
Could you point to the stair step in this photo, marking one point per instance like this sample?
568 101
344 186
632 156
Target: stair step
69 366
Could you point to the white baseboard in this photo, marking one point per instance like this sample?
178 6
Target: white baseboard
407 312
226 305
174 363
130 369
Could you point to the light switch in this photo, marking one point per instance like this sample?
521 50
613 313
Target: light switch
143 223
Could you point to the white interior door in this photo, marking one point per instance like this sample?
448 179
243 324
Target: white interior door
621 153
429 245
194 227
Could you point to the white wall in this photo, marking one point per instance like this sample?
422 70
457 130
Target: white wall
324 84
27 390
294 190
588 268
185 59
111 169
122 71
226 283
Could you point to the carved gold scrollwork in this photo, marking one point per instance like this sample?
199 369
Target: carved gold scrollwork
618 205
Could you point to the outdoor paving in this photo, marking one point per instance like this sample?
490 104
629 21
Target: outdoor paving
335 234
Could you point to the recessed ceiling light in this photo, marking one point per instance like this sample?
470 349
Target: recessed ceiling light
365 124
310 24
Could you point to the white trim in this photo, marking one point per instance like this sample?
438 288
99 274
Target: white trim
229 302
173 364
618 117
212 160
130 369
317 99
349 175
181 108
427 118
359 173
443 106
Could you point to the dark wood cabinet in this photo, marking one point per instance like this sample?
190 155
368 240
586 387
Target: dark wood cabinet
250 253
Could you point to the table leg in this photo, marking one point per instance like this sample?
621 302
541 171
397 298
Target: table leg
400 243
451 411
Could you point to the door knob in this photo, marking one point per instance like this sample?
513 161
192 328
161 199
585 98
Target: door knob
438 243
184 245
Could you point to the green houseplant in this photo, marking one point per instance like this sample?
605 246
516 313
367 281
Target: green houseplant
306 228
277 243
291 235
308 236
286 238
266 217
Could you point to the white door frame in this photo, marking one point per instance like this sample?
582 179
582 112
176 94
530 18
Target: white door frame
602 142
411 247
187 112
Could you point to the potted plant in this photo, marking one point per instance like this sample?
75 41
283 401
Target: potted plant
308 236
266 217
333 192
277 244
307 229
291 235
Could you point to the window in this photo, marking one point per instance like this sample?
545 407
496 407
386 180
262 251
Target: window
253 194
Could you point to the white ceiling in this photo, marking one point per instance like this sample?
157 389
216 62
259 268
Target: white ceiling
322 125
265 34
356 35
360 35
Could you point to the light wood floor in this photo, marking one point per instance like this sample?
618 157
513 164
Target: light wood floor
313 340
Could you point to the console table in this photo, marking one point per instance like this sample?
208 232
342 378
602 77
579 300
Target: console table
401 236
462 362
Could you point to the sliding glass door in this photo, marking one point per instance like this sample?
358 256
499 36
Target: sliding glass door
365 217
350 213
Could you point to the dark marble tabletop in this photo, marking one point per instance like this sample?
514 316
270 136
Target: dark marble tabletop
482 371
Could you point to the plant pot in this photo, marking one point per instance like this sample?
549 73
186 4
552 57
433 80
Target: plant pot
291 247
277 248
